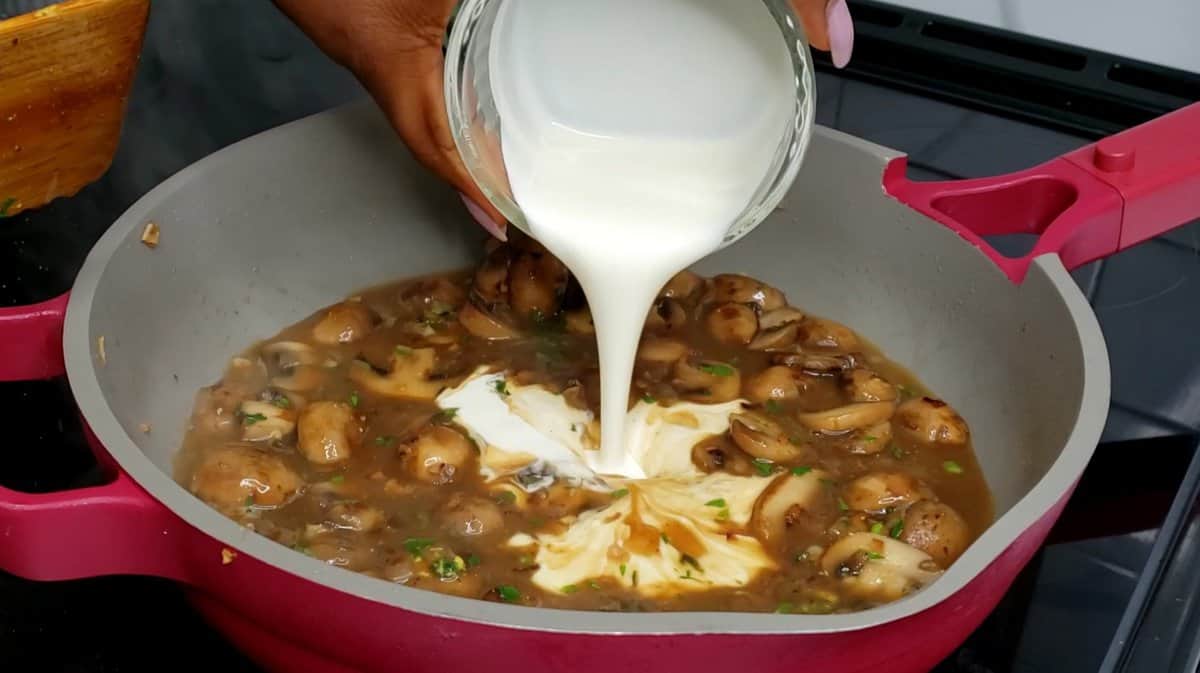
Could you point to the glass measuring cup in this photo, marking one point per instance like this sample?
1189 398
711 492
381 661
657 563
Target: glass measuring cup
476 124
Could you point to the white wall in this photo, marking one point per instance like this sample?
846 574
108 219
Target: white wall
1166 32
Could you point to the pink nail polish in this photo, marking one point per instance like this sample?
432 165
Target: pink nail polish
841 32
484 221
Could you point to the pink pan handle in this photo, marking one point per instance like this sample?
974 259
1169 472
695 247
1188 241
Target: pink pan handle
116 528
1084 205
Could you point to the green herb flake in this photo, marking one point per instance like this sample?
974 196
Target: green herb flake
764 467
648 398
897 529
620 493
281 401
569 589
337 479
665 539
897 452
446 415
801 470
384 440
634 578
688 559
785 609
952 467
873 555
869 438
248 503
905 393
877 528
501 387
302 548
506 497
508 593
7 205
723 515
593 585
842 505
403 351
717 369
473 560
774 407
719 502
446 569
251 419
622 569
354 399
417 545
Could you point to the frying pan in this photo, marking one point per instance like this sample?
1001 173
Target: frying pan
262 233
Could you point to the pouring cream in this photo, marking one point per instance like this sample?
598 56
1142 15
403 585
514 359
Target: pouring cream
635 132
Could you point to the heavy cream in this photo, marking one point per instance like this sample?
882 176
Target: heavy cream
634 134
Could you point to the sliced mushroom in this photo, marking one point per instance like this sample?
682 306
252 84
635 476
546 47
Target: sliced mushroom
761 437
828 335
654 349
490 284
484 325
872 439
682 286
356 516
849 417
773 383
298 363
707 381
263 421
796 507
936 529
931 421
877 567
344 323
240 477
777 329
536 282
719 454
411 377
879 492
301 379
579 321
327 432
732 324
438 454
864 385
746 290
814 363
667 315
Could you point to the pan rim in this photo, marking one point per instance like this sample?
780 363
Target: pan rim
1053 486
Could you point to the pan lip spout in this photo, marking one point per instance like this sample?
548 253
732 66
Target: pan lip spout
1036 505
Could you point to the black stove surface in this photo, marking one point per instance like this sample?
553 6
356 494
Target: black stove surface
216 71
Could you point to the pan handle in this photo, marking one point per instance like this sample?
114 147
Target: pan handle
1085 205
111 529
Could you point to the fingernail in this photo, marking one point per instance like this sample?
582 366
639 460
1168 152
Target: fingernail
841 32
483 219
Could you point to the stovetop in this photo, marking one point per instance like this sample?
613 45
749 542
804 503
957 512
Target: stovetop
1110 592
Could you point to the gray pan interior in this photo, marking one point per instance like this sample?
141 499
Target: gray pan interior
265 232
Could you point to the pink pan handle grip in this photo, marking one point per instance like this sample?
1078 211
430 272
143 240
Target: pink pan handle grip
1084 205
116 528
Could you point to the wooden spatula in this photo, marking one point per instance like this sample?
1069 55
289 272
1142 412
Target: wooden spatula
65 73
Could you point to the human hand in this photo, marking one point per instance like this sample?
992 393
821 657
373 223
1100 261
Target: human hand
394 47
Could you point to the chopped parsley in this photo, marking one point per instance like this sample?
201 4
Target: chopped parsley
801 470
897 529
869 438
877 528
417 545
665 539
719 502
593 585
7 205
723 515
337 479
506 497
952 467
717 369
784 609
473 560
774 407
251 419
508 593
764 467
648 398
248 503
842 505
873 555
897 452
445 415
622 569
354 399
447 569
634 578
281 401
403 350
501 387
384 440
905 393
688 559
570 589
620 493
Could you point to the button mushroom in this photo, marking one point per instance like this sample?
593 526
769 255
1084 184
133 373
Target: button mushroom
828 335
880 492
849 417
297 364
745 290
707 381
356 516
872 439
490 284
732 324
821 364
469 516
536 282
327 432
777 329
240 477
655 349
797 507
936 529
876 567
411 377
773 383
485 325
763 438
344 323
579 321
263 421
931 421
864 385
438 454
666 315
682 286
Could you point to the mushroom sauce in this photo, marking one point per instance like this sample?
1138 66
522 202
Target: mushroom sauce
423 433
